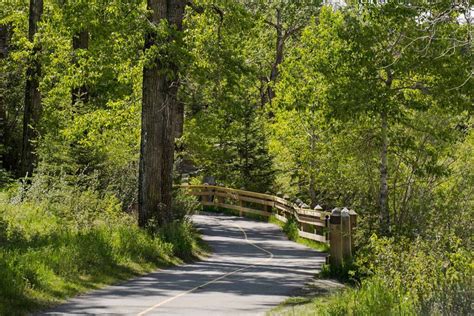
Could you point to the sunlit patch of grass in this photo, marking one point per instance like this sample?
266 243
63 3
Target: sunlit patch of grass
372 298
48 255
319 246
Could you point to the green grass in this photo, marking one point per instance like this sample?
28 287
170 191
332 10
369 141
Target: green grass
372 298
55 248
319 246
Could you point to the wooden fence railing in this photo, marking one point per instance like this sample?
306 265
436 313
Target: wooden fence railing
334 228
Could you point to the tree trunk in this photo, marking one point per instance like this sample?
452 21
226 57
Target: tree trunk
32 109
383 198
158 112
279 49
5 35
179 119
312 165
80 40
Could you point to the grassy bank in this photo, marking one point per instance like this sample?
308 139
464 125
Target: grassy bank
372 298
64 242
291 230
397 277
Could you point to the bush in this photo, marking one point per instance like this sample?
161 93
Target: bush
184 204
182 236
58 239
436 274
291 229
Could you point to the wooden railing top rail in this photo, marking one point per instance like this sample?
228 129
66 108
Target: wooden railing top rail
282 209
261 196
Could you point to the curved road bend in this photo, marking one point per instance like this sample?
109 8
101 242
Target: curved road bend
254 267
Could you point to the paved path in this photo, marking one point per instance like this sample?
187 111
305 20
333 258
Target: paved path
254 267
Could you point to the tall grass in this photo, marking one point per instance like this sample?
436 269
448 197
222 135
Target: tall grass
402 277
63 240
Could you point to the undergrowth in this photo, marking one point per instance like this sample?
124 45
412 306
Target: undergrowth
397 277
58 240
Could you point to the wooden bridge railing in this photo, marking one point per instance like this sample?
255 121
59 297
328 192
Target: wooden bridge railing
334 228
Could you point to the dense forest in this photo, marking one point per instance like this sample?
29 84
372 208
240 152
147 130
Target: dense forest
104 105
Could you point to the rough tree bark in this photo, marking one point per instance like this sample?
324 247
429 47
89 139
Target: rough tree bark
179 119
159 101
80 40
32 107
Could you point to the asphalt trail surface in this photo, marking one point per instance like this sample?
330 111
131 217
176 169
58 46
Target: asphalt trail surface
253 268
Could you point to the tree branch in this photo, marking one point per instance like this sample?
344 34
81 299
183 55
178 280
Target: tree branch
196 8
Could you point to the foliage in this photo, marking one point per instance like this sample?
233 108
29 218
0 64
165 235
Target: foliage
185 205
436 274
58 239
351 81
224 129
182 235
291 229
409 281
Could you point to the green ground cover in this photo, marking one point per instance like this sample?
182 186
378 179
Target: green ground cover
69 241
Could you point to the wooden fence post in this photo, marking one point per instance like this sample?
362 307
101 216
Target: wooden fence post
353 216
326 227
211 196
335 239
346 235
267 208
219 199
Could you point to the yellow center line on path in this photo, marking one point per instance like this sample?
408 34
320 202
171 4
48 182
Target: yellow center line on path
214 280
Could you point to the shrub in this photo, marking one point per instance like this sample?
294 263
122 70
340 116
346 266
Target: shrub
182 236
437 274
291 229
57 239
374 297
184 204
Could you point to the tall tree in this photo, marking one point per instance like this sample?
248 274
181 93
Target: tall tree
286 19
159 99
32 107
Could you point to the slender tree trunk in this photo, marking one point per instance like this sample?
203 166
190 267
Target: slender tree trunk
383 198
280 45
269 94
312 181
32 109
80 40
158 112
5 35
